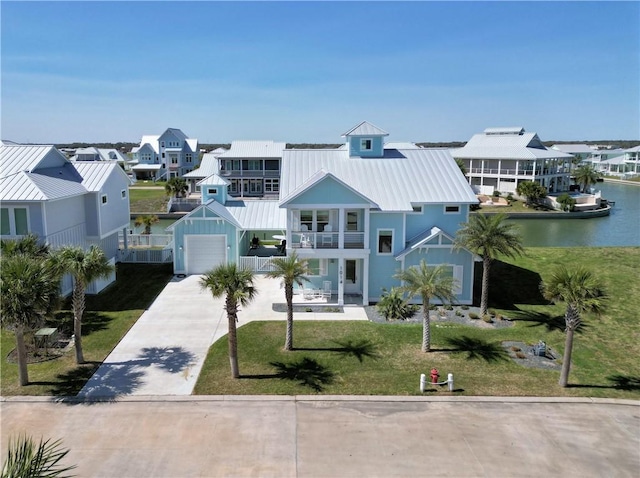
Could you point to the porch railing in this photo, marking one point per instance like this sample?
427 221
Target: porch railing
256 264
326 240
146 240
150 256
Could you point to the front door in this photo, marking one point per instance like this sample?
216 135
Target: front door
352 275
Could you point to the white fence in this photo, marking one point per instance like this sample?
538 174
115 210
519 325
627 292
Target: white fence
146 240
151 256
256 264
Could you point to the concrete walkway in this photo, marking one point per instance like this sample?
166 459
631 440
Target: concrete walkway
336 437
165 349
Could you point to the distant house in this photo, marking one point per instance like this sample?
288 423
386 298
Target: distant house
101 154
172 154
498 159
357 213
252 168
208 166
63 202
582 152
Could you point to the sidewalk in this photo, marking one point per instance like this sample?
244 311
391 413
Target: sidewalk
164 351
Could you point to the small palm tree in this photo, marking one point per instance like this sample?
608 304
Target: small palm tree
28 244
582 292
461 165
147 221
29 290
176 187
84 267
291 270
427 282
237 287
27 459
586 175
488 236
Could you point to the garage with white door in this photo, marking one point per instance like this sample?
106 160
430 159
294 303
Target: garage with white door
204 251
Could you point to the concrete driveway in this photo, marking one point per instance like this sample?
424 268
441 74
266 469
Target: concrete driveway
163 353
336 436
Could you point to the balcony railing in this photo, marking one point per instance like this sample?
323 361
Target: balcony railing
326 240
250 173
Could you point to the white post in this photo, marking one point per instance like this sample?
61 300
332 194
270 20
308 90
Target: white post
450 381
423 381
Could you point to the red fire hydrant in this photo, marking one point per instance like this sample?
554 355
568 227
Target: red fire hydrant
434 375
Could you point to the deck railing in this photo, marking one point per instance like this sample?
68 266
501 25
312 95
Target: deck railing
256 263
150 256
326 240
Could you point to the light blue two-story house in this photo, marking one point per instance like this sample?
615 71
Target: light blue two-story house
358 214
172 154
63 202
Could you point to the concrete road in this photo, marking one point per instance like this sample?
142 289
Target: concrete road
337 436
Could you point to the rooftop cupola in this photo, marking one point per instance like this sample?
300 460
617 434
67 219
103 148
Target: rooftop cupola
365 140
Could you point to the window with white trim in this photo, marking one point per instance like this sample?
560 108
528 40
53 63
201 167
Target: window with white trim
123 193
452 209
14 221
103 199
187 157
366 144
457 273
385 241
318 267
271 185
212 191
417 209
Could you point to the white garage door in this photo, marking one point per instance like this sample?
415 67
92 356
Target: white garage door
204 252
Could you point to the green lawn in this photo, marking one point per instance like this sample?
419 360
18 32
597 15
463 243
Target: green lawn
367 358
108 317
148 200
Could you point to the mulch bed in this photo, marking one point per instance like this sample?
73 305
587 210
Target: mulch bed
37 355
527 358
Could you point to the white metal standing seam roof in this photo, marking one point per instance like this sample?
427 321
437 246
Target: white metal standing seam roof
15 158
573 148
401 145
151 140
506 146
24 186
258 214
95 174
208 166
254 149
395 182
365 129
214 180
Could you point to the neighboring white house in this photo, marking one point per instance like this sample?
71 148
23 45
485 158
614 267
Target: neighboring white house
500 158
63 202
252 168
171 154
208 166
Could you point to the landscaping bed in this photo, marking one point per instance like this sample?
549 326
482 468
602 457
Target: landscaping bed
457 314
316 308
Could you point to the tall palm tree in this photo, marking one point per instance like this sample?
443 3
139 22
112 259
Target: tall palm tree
488 236
146 220
84 267
29 291
586 175
176 187
237 287
427 282
291 270
583 292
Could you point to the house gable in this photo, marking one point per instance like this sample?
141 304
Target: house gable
325 188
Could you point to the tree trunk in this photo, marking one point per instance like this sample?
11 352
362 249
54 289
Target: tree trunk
484 301
78 311
572 320
233 339
426 326
288 292
23 373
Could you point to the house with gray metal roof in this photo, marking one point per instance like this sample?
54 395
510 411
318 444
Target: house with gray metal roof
358 214
498 159
63 202
169 155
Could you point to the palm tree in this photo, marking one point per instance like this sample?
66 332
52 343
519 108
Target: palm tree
147 221
586 175
176 187
29 287
582 292
84 267
28 244
291 270
462 166
28 459
488 236
237 287
427 282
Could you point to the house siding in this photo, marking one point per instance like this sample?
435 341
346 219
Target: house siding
383 267
434 215
65 220
328 191
377 146
201 225
115 214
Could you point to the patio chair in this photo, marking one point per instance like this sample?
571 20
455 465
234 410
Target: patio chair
326 289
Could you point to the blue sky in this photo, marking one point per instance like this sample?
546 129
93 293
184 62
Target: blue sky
309 71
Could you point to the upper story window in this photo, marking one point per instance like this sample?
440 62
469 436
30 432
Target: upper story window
162 144
212 191
366 144
123 193
187 157
103 199
417 208
271 185
385 241
174 160
452 209
14 221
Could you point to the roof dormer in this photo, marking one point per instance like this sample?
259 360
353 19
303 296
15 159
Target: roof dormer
365 140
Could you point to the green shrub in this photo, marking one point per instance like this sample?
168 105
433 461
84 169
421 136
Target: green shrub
448 307
464 307
473 315
492 312
487 318
496 194
393 306
459 314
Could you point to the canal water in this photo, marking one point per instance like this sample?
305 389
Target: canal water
620 228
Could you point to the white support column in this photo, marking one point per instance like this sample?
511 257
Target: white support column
367 220
125 234
341 281
342 227
365 281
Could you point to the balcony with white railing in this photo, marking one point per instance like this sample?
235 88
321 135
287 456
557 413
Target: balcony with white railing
326 240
